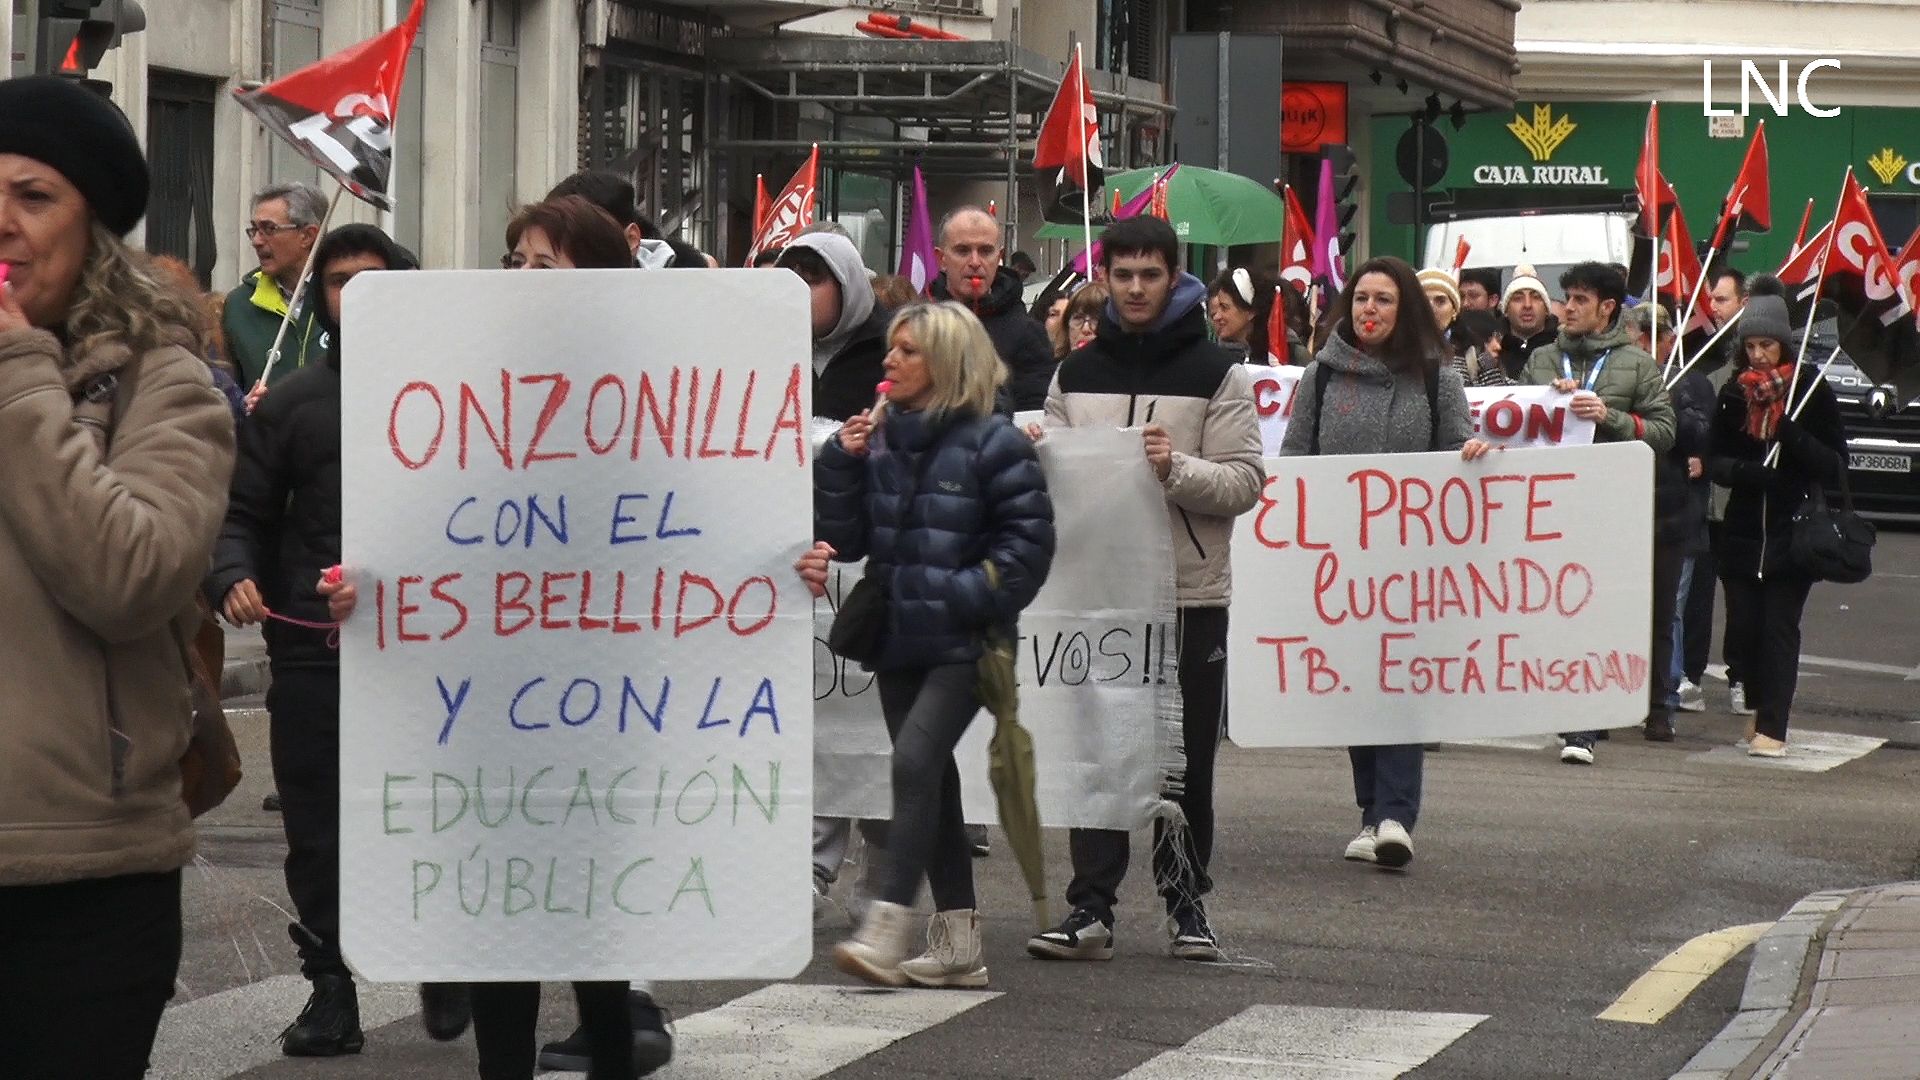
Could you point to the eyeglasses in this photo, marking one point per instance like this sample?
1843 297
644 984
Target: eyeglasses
269 228
1085 322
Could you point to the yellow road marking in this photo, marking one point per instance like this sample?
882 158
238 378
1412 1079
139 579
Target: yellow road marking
1679 973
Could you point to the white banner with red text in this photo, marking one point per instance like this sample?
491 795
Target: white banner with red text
1510 416
1412 598
575 722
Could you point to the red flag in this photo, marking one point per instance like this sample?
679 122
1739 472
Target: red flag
1906 272
1460 251
1749 205
1874 329
761 203
792 212
338 112
1679 263
1803 266
1067 156
1800 237
1296 246
1656 195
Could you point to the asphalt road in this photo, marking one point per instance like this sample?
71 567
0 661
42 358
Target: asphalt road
1538 894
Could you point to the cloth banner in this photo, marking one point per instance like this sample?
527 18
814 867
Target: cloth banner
1096 659
576 732
1413 598
1512 416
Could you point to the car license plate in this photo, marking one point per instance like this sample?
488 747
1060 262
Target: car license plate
1893 463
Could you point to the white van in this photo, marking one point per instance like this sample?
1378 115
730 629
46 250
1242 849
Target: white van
1549 242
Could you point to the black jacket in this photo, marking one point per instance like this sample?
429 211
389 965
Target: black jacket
1515 350
980 497
1020 340
1762 502
283 510
847 385
1693 403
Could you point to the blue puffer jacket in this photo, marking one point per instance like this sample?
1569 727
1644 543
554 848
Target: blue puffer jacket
980 498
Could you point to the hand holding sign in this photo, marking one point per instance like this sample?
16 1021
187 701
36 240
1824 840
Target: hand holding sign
1587 406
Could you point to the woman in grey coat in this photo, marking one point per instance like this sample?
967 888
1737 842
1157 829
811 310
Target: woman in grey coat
1382 385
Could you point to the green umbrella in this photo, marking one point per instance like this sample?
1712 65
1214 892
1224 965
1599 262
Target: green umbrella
1010 765
1205 206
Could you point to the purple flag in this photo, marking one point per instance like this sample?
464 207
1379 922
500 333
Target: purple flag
1131 208
1327 269
917 257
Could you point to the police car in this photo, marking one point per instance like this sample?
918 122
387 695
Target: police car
1883 435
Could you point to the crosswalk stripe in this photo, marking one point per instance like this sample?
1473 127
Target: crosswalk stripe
239 1029
799 1032
1807 751
1294 1042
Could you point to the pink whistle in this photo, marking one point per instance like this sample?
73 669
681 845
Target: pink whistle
333 575
5 269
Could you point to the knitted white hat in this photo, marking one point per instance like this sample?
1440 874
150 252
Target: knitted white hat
1523 279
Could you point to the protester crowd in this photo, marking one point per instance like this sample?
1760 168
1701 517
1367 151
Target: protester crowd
204 452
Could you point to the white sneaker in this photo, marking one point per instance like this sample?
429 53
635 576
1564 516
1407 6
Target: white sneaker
1363 848
953 953
1737 700
1394 847
1577 752
1692 698
879 947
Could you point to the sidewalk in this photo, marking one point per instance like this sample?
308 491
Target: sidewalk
1833 994
245 671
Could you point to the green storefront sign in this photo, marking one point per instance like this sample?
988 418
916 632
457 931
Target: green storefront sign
1596 145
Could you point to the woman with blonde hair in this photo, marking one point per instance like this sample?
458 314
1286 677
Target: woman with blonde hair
945 501
118 453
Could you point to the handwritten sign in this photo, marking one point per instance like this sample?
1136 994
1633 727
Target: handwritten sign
1095 660
575 722
1417 598
1511 416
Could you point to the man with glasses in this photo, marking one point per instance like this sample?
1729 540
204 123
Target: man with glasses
284 226
971 273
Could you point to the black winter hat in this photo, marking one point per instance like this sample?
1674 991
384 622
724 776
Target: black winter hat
84 137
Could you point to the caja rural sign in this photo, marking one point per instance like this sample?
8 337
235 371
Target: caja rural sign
1542 135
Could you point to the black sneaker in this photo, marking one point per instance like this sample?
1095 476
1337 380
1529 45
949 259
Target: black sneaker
652 1043
979 841
271 804
1192 935
330 1024
1083 936
445 1010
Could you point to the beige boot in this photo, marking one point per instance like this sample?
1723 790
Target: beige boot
877 948
953 952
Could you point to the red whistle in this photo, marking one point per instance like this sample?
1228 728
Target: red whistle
333 575
1369 326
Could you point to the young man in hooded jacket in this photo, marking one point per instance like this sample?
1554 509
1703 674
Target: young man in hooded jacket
849 326
970 272
1151 365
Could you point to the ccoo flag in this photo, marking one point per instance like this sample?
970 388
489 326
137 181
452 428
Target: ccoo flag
338 112
792 212
1067 156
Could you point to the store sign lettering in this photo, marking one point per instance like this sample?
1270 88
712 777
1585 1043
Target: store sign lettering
1590 175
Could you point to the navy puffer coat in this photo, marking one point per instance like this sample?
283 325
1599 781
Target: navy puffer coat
980 498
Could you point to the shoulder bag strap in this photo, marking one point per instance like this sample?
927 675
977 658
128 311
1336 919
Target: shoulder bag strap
1321 377
1433 407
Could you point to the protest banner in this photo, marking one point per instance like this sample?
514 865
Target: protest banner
1510 416
1409 598
1096 659
575 722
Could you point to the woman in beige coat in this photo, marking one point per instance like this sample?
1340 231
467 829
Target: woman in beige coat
107 519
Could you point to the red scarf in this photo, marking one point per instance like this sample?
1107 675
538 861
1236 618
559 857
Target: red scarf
1766 393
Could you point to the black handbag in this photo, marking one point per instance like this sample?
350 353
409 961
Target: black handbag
859 628
1829 544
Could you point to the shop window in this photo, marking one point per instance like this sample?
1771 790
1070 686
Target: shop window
180 154
293 42
499 125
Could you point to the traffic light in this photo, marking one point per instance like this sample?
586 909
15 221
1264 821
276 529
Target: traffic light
1346 190
76 34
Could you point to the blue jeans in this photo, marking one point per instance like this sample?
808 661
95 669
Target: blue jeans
1678 671
1386 782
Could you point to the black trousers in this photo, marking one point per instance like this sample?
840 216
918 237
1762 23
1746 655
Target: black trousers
1101 856
506 1014
1763 622
1668 561
1702 597
303 706
1731 640
927 710
88 967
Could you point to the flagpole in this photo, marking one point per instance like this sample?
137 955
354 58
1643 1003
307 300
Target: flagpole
1653 189
1704 349
1713 252
1820 280
273 354
1086 167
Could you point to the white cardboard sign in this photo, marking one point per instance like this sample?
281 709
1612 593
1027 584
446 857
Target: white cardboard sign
576 728
1095 661
1406 598
1511 416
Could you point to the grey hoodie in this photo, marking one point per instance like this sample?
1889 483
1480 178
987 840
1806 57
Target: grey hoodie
856 291
1371 410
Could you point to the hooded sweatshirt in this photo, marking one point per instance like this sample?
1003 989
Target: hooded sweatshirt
1018 337
847 362
1172 376
1371 409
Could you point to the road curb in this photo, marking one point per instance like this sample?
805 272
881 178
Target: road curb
244 676
1781 960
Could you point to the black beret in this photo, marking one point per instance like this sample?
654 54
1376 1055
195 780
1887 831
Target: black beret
84 137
